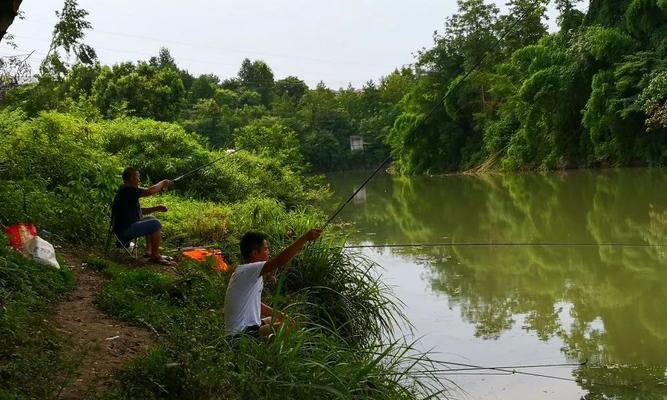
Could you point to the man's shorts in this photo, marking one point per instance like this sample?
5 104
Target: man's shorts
252 331
145 227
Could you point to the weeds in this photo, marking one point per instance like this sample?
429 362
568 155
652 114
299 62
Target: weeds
31 352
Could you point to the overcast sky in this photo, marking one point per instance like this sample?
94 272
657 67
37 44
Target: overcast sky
338 42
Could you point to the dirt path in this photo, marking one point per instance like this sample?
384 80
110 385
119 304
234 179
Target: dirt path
103 344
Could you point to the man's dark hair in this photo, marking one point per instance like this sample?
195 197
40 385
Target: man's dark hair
128 172
251 241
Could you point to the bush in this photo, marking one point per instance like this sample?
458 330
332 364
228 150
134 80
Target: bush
54 169
162 150
58 165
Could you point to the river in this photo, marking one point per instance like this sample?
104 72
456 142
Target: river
516 305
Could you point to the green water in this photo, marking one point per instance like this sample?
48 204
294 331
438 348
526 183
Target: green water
513 305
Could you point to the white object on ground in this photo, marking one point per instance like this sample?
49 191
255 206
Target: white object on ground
42 251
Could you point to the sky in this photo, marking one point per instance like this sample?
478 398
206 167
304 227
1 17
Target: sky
337 42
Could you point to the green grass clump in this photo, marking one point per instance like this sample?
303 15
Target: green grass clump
304 364
31 351
159 300
344 292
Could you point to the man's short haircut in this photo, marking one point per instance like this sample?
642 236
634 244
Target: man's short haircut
128 172
252 241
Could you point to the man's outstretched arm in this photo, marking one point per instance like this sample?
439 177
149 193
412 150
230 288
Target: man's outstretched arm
155 189
290 252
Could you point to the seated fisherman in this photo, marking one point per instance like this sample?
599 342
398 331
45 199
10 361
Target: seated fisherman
244 310
128 216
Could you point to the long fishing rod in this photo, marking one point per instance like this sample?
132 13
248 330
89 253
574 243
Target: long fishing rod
433 110
491 244
228 153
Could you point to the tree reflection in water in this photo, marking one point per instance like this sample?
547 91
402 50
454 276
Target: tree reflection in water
607 304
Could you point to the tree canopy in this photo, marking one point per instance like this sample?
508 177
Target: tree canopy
591 94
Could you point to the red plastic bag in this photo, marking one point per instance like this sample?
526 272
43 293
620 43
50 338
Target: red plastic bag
20 235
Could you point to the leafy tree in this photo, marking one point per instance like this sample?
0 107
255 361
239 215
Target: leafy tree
653 102
68 35
323 150
269 138
395 86
523 25
14 71
164 59
203 87
257 76
141 90
291 86
568 99
472 31
590 94
212 121
226 97
606 12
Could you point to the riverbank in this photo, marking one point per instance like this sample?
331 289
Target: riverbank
130 332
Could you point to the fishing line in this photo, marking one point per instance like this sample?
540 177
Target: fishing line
472 244
513 371
228 153
433 110
510 367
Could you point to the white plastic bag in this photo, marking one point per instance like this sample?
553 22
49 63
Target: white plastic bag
43 252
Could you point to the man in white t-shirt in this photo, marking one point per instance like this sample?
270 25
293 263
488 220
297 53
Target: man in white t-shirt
244 310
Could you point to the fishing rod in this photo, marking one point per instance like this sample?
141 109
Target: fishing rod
433 110
468 244
227 153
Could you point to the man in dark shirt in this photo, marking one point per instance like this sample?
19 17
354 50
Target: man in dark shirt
128 216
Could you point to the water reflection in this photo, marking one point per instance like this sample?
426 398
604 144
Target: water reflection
606 304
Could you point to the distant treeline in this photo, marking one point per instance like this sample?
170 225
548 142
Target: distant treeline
592 94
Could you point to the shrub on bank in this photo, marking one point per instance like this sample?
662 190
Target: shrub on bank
61 172
55 175
163 150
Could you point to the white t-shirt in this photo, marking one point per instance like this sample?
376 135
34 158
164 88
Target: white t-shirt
244 298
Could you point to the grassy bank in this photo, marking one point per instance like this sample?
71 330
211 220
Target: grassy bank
32 359
337 352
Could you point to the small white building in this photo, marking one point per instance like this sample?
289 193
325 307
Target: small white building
356 143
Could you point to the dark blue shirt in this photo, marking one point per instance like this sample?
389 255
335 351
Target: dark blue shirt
126 209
